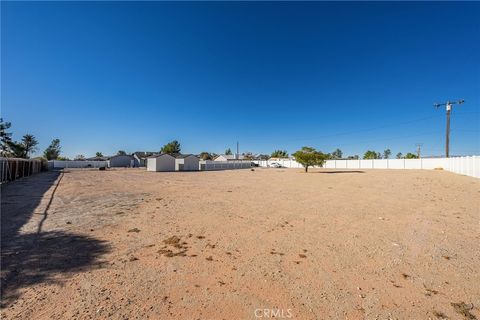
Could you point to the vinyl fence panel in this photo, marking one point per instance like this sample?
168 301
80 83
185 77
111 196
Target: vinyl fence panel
469 166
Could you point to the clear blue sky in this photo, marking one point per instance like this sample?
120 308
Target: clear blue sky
107 76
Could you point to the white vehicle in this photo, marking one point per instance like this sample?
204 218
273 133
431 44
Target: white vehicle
275 165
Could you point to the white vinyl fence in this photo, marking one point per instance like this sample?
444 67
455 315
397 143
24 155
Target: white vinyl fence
224 165
469 166
62 164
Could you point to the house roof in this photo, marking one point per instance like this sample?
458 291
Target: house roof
231 156
175 155
97 159
120 155
143 154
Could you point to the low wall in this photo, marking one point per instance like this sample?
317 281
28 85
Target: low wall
469 166
62 164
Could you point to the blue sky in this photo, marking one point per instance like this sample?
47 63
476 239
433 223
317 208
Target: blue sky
272 75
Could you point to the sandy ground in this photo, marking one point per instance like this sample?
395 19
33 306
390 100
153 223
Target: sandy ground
130 244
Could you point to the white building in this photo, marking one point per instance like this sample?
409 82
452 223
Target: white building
173 162
187 162
161 162
229 157
141 158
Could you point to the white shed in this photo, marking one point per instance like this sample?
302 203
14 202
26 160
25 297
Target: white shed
187 162
161 162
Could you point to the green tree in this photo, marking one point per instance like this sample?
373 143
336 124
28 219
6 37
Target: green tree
355 157
205 156
279 154
98 154
17 150
5 138
121 153
30 144
371 155
411 156
228 152
263 157
53 150
399 155
79 157
337 154
171 147
308 157
387 153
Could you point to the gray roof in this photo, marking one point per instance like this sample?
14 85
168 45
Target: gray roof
175 155
120 155
143 154
97 159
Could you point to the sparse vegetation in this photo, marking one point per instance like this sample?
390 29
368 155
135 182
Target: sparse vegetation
309 157
279 154
371 155
53 150
205 156
171 147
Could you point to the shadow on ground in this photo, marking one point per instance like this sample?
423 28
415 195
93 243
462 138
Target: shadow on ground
38 257
340 171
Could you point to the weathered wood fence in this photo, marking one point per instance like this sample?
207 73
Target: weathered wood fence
15 168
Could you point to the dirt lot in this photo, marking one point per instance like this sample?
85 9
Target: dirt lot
130 244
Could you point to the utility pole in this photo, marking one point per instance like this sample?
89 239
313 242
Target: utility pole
238 154
448 107
419 149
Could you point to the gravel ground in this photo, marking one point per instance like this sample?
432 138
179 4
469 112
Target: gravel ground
241 244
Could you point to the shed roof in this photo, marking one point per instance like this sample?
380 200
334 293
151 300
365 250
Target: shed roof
174 155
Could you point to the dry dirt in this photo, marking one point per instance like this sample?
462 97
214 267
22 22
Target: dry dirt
130 244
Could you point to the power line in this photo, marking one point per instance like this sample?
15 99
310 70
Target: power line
448 107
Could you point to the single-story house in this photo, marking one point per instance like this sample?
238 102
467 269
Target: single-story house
141 157
187 162
122 161
229 157
161 162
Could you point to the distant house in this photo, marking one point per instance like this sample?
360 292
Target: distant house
120 161
97 159
187 162
141 157
229 157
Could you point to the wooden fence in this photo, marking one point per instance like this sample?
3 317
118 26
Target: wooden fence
14 168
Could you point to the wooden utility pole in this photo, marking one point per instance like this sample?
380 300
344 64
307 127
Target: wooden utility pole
448 107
